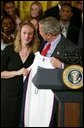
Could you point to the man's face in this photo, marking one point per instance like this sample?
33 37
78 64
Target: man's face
42 33
80 5
9 8
65 13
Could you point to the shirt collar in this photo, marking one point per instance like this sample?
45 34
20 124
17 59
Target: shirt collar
56 41
62 25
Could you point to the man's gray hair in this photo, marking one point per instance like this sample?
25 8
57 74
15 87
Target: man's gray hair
50 25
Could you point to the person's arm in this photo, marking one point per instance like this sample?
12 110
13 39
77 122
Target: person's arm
10 74
5 60
72 57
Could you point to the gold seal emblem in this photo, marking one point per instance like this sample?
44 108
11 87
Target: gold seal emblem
73 76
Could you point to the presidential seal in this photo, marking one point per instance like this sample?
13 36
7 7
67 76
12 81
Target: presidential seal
73 76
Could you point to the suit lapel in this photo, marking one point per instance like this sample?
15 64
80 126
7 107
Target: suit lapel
57 50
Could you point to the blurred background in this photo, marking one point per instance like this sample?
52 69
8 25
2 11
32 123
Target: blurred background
24 6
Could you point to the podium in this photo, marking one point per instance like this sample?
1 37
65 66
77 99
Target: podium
70 101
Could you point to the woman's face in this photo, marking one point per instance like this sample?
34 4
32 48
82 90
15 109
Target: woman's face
9 8
27 34
6 25
34 10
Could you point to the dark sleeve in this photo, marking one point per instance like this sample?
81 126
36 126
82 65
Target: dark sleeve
5 56
72 55
69 53
76 18
73 33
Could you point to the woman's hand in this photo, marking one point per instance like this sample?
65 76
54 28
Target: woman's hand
23 72
10 74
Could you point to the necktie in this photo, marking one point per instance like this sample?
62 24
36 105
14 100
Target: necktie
64 31
45 50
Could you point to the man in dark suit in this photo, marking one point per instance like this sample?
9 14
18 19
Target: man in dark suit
68 29
80 40
62 49
54 12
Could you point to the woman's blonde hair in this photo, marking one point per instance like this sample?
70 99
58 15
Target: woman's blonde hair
29 16
34 44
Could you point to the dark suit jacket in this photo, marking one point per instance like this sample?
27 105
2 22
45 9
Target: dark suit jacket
67 52
54 12
73 33
76 18
80 42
